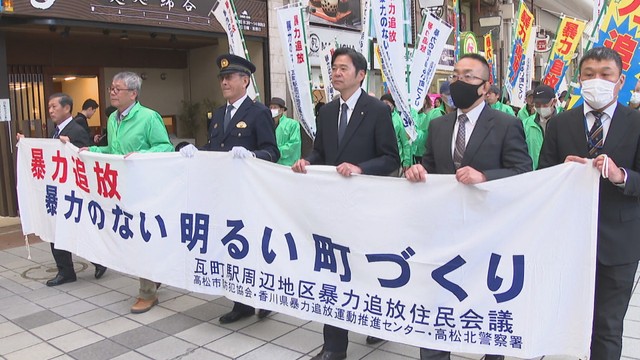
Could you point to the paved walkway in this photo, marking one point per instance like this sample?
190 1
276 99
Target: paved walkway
90 319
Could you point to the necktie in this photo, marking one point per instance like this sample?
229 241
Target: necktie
57 133
458 152
596 138
342 125
227 117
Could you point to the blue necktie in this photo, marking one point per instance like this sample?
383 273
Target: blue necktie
342 125
227 117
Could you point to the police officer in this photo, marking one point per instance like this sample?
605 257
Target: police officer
243 127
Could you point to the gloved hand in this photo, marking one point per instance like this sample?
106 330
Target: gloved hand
240 152
188 151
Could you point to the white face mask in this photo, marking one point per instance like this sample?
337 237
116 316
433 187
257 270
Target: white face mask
635 98
274 112
598 92
544 112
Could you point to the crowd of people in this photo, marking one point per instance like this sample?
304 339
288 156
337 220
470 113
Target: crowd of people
361 134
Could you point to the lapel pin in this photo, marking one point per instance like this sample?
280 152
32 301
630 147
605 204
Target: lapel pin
215 126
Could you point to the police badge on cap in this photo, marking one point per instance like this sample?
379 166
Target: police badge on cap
230 64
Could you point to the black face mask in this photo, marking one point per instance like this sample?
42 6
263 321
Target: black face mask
464 94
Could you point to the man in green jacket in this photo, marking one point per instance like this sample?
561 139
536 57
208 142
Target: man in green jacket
544 99
529 109
423 120
404 147
134 128
287 133
492 99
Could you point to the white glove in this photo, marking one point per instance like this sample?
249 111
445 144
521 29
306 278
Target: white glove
188 151
240 152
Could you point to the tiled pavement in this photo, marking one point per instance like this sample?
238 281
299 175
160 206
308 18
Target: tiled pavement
90 319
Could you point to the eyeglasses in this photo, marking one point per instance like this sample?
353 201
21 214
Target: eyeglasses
465 78
116 90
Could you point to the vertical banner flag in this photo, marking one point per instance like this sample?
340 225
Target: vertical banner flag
390 32
568 37
431 42
524 23
325 68
490 56
225 13
294 42
620 31
456 28
365 35
519 93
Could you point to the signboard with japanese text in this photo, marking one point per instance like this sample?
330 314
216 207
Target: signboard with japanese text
224 11
567 39
490 56
179 14
428 51
523 26
321 38
326 69
389 22
620 31
296 59
503 267
468 43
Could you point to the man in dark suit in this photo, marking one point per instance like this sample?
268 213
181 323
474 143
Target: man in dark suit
60 107
608 132
355 134
89 108
476 143
243 127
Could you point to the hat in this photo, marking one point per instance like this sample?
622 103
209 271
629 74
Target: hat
230 64
529 93
543 93
444 88
278 101
494 89
389 98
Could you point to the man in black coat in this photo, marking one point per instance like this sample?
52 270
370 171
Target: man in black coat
60 107
89 108
355 134
608 132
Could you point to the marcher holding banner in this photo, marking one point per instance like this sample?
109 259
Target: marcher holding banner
612 135
355 134
134 128
469 136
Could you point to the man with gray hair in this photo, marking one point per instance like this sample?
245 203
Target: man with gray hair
134 128
493 99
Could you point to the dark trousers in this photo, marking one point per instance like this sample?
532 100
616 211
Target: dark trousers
64 262
243 308
335 339
614 285
428 354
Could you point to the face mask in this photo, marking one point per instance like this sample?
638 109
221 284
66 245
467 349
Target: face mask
635 98
544 112
274 112
598 92
464 94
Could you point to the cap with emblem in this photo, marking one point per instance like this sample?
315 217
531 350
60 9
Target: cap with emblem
229 64
543 94
278 101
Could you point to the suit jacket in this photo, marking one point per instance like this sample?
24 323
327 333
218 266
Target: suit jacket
251 127
496 147
76 133
369 140
619 208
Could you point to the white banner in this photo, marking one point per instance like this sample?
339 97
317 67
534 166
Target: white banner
504 267
365 39
426 56
325 68
296 58
225 13
523 84
389 22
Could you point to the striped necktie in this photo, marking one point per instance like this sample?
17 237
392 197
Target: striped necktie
57 133
596 138
458 152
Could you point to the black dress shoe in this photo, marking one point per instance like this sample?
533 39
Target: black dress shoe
494 357
263 313
329 355
100 270
59 280
233 316
373 340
